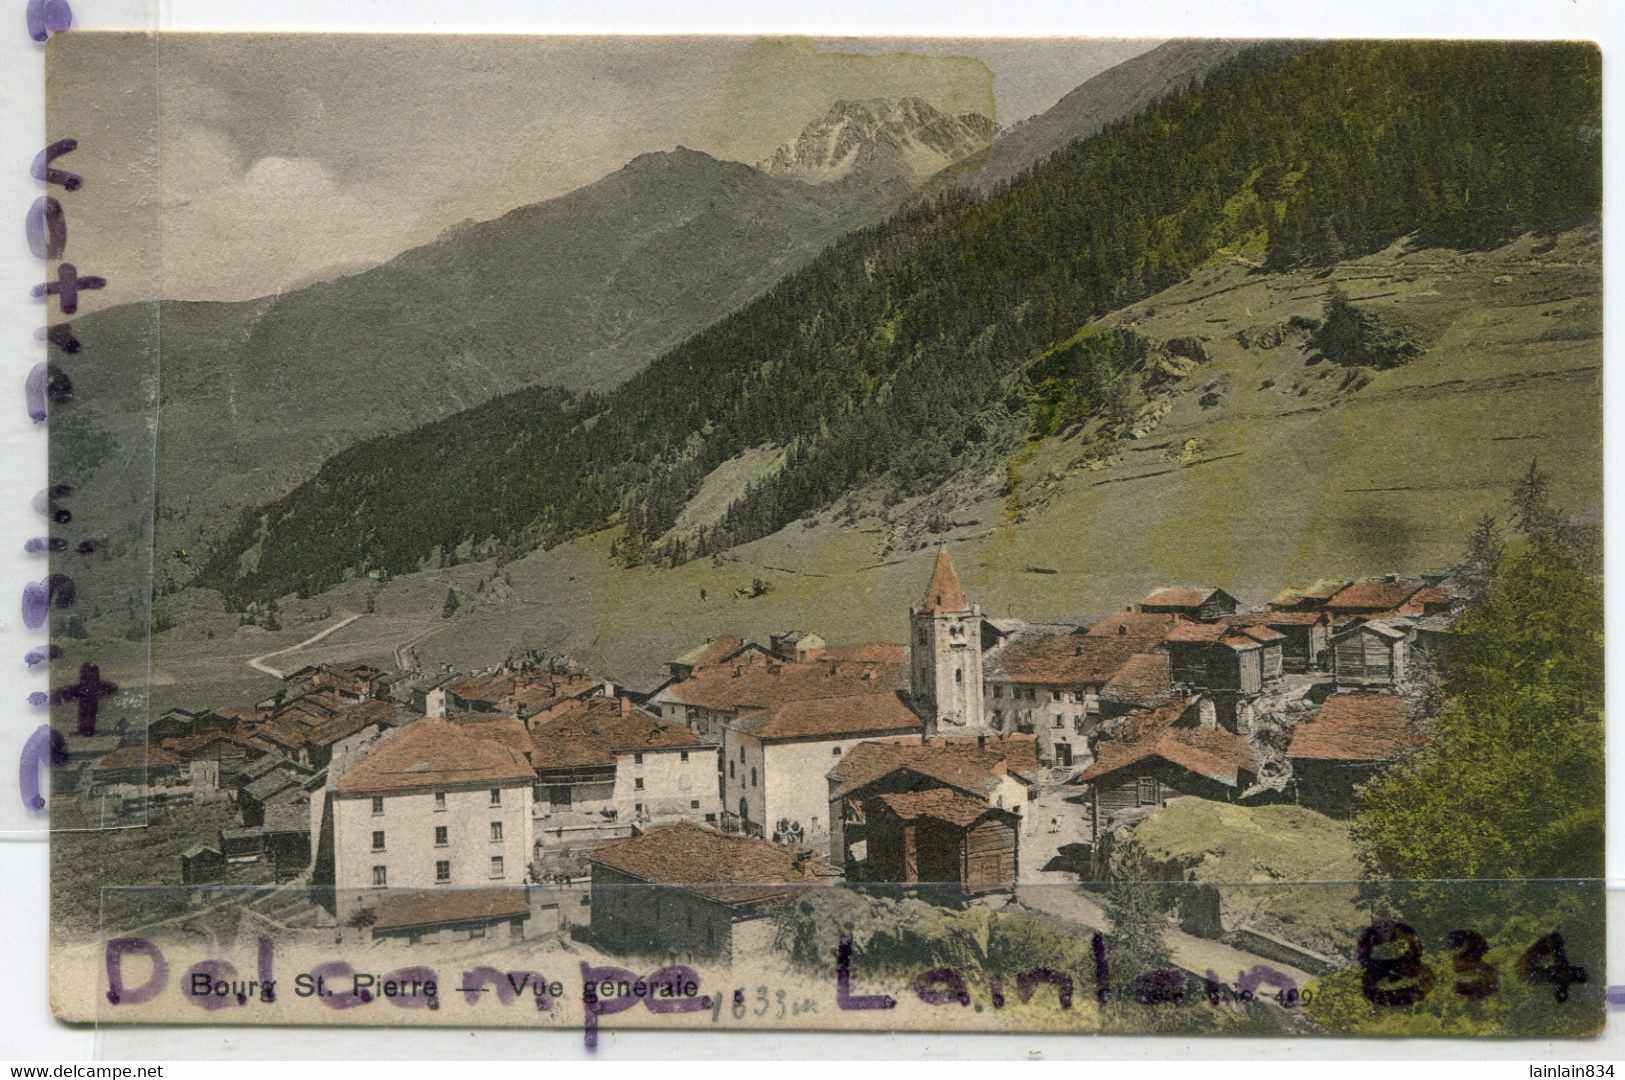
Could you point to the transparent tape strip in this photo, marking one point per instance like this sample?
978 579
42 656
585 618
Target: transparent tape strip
79 742
1502 959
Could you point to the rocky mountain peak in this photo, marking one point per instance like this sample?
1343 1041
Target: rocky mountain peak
909 139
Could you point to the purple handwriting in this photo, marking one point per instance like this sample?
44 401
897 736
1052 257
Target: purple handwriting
44 18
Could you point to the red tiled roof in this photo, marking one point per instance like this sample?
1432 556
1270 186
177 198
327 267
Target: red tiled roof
1062 659
594 730
944 593
1142 679
434 753
441 907
1145 628
522 691
1318 593
759 684
1356 727
509 731
1239 638
1277 618
724 866
135 757
714 651
191 744
971 766
1214 752
939 804
1430 594
1177 596
863 652
835 717
1196 632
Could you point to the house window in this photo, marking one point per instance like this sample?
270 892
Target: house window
380 875
377 804
835 751
753 778
741 755
440 837
496 831
496 866
694 804
440 800
637 808
684 756
1055 695
496 796
1148 790
378 840
442 870
959 675
1059 721
476 932
730 770
637 759
637 783
998 691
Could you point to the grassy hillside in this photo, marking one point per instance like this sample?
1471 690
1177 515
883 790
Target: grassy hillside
1286 476
898 356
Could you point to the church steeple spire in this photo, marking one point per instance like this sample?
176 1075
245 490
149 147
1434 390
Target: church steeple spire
944 593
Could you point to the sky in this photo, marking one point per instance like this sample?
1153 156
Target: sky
231 166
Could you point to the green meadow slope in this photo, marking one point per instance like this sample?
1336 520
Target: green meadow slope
1258 467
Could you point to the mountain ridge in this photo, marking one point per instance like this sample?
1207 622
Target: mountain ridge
897 357
906 138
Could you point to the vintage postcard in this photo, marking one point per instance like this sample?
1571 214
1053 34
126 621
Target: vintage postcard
1055 535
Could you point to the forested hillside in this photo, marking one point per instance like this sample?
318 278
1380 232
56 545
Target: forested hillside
897 352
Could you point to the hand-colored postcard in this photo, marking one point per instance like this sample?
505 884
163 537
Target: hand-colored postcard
1038 535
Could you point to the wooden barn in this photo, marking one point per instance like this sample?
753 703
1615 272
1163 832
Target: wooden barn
1179 748
1202 604
1387 596
941 837
1343 743
1305 636
202 865
1369 654
687 890
1215 656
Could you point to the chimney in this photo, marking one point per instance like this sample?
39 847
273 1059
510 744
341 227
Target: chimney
1207 714
626 706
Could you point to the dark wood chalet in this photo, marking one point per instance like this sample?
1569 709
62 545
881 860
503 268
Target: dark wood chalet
1218 657
1193 603
1344 742
1369 654
1179 748
1305 636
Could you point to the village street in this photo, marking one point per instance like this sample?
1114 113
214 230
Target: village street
1046 888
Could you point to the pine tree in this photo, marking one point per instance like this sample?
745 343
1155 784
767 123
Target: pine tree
451 605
